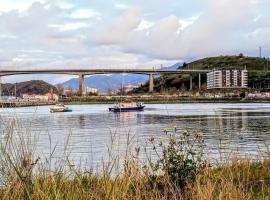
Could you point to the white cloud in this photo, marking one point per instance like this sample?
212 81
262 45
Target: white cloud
118 31
85 14
68 26
68 33
20 5
219 29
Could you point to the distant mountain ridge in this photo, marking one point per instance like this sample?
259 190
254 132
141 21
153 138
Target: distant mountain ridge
104 83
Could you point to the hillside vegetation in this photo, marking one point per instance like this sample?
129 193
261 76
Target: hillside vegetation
251 63
257 73
30 87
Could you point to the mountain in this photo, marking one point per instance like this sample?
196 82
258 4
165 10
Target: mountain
30 87
175 82
107 82
111 82
175 66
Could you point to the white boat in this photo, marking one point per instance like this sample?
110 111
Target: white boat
60 108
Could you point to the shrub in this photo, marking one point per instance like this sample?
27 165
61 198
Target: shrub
180 158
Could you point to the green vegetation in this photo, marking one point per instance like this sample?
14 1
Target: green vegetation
30 87
180 172
251 63
257 73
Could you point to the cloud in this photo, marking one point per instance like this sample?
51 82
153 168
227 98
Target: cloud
220 28
98 33
118 31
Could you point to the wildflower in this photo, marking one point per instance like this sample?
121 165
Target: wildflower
182 140
199 135
175 128
165 130
185 132
172 140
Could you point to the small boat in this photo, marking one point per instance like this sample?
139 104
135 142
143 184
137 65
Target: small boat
60 108
127 107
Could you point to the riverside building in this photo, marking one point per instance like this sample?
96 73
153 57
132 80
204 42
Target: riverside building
227 78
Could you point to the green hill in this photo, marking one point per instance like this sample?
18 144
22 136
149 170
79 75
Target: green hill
30 87
257 68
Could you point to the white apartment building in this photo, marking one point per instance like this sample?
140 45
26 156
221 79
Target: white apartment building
227 78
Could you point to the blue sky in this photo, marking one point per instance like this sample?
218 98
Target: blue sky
126 33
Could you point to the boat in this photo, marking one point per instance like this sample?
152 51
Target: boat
127 107
60 108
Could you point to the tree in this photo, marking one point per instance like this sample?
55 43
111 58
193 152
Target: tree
241 55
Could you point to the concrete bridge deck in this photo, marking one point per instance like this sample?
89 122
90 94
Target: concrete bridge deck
84 72
102 71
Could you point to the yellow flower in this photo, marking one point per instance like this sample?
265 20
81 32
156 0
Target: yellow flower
182 140
185 132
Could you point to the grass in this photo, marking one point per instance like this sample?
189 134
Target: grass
242 179
24 175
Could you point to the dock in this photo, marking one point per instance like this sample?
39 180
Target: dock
20 103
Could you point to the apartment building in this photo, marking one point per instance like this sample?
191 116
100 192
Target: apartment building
227 78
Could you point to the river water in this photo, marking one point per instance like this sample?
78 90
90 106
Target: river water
90 130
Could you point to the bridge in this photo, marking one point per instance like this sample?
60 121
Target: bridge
84 72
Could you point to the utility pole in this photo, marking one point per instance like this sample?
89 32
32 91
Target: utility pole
15 90
0 87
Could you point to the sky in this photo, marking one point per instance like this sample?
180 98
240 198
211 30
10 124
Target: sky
127 33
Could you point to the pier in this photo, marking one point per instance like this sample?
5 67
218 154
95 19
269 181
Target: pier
20 103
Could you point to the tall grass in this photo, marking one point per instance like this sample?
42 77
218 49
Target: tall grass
178 172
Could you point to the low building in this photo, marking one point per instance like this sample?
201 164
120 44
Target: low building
39 97
227 78
129 88
34 97
91 90
52 96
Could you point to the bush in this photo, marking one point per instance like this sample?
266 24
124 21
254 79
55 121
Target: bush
181 158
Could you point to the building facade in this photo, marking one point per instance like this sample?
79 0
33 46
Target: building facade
227 78
91 90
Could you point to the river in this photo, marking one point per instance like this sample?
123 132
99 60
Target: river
88 132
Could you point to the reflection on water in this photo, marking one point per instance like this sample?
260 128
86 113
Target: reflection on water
91 128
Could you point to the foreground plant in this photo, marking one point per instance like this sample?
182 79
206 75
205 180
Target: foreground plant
180 156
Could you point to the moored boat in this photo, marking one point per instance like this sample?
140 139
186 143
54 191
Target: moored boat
127 107
60 108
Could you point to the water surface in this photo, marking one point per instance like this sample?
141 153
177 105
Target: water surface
89 130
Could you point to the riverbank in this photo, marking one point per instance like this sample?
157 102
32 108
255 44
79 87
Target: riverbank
159 100
152 100
241 180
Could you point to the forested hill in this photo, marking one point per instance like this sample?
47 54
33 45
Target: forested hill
240 61
258 66
30 87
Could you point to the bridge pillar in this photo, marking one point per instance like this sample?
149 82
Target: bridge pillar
200 81
190 88
151 83
81 84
